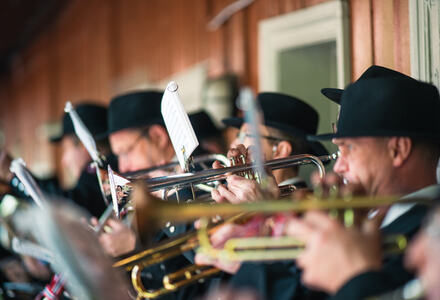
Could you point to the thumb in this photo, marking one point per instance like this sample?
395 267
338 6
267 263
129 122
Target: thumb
203 259
115 224
94 221
217 165
372 225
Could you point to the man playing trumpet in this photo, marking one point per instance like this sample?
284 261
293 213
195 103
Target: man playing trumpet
388 138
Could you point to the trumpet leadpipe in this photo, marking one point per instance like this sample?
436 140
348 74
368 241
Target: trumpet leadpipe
205 176
150 209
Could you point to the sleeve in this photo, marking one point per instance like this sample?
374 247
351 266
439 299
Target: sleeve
280 280
372 283
364 285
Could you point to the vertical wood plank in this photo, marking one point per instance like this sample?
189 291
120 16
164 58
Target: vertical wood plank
402 59
361 36
383 32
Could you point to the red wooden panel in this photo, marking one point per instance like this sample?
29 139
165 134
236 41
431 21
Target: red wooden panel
402 61
361 36
383 32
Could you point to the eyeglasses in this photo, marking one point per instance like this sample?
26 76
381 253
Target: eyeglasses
241 135
144 133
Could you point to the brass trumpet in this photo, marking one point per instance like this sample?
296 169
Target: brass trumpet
190 241
200 160
120 192
153 212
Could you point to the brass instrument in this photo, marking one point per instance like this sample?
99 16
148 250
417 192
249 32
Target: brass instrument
205 176
190 242
200 160
152 212
200 179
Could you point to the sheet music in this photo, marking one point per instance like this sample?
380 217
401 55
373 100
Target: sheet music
83 133
115 181
18 167
178 125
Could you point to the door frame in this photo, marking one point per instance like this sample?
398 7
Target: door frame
317 24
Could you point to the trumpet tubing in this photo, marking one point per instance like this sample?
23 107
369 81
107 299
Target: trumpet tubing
207 180
187 276
281 248
211 175
150 210
154 212
201 159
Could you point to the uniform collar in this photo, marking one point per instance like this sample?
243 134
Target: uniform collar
430 193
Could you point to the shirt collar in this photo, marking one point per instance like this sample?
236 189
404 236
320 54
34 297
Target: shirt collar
430 193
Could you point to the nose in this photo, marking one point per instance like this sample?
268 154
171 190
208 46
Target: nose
123 164
235 143
65 159
340 166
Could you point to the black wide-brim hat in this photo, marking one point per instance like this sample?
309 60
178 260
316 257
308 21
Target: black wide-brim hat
203 125
392 106
134 110
94 117
288 114
372 72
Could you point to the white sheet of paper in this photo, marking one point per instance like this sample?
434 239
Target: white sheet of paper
18 167
178 125
115 181
83 133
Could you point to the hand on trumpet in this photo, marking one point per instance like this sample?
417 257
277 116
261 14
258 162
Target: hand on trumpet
241 189
224 233
257 225
348 251
118 239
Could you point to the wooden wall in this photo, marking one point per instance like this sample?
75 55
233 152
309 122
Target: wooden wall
97 48
379 35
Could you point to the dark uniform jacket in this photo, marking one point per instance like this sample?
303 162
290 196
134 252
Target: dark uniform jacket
393 273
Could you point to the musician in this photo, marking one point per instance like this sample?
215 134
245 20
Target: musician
139 139
388 137
287 122
74 159
136 131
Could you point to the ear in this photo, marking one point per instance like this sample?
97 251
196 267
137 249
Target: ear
158 135
284 149
399 149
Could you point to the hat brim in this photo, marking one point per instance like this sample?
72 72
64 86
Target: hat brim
233 122
378 133
333 94
316 147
